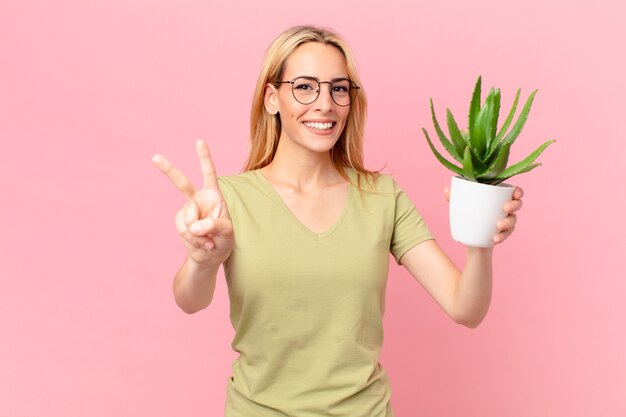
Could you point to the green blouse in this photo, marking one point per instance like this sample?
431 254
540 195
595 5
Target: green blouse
307 308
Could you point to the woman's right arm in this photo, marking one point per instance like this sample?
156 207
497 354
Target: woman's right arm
194 286
206 230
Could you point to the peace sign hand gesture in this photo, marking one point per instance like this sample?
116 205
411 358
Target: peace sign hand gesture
203 222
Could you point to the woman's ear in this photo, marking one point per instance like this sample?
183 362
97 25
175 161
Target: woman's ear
270 99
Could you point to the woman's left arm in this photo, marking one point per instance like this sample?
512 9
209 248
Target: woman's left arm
465 296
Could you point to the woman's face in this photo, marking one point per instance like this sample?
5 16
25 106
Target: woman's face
316 126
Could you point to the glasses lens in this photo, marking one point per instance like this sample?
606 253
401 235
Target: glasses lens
305 90
342 92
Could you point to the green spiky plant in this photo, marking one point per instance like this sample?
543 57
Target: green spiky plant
482 150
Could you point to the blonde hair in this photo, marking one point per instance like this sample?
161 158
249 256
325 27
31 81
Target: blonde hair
265 128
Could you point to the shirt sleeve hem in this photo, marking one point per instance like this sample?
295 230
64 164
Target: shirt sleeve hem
410 245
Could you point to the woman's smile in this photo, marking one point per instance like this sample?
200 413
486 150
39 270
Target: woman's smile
320 127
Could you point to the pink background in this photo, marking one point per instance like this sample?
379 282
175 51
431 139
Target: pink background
90 90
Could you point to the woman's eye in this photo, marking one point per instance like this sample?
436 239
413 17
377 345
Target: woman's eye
340 89
304 87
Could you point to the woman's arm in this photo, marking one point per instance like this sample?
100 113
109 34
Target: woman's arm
206 230
465 296
194 286
209 242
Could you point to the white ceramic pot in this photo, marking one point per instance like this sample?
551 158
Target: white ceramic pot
475 210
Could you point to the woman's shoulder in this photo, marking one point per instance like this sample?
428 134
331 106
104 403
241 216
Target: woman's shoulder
375 182
245 185
242 179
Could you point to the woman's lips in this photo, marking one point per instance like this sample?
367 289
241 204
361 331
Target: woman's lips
320 127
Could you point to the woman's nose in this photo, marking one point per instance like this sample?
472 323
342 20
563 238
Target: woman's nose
324 101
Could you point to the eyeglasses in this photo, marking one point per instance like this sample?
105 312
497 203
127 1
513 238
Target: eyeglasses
307 89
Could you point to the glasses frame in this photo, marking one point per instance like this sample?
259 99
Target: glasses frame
351 95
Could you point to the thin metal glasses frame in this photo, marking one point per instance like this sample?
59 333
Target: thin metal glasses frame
351 95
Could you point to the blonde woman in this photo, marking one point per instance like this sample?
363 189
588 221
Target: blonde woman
304 234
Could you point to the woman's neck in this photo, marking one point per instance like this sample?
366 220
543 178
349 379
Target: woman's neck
301 168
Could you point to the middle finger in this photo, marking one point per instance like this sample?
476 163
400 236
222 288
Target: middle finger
513 206
206 165
507 223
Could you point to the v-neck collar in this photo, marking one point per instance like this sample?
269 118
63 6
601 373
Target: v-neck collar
346 206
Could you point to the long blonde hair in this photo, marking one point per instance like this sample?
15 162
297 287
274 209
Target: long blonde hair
265 128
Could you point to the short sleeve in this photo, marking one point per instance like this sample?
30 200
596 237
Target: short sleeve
226 190
410 229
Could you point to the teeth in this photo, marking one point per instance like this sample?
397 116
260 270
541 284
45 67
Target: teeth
318 125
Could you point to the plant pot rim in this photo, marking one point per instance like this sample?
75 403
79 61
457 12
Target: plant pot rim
502 184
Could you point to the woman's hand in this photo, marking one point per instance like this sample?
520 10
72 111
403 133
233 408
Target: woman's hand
506 225
203 222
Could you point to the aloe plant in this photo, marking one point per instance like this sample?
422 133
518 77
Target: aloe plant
482 150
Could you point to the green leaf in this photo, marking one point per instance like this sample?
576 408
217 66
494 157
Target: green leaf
507 123
479 166
478 139
474 106
492 122
499 179
468 168
444 161
455 133
523 166
442 137
497 166
521 120
519 124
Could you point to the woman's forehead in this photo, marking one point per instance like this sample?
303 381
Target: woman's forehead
316 59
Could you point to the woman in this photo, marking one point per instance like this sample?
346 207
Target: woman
305 235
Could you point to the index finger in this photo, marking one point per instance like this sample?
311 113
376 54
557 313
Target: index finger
209 175
179 179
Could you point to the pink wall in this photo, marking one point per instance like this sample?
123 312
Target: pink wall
89 90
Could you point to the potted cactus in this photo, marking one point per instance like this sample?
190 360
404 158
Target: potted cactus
477 191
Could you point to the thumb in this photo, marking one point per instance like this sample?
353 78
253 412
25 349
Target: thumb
210 226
